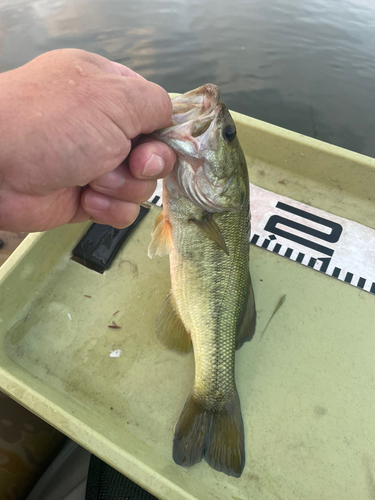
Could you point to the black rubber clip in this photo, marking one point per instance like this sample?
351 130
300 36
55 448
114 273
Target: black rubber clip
100 244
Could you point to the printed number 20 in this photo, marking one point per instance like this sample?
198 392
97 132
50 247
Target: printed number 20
332 237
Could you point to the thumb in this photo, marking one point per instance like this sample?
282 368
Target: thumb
110 66
119 69
143 107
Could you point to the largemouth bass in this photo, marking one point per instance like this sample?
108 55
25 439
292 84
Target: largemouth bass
204 226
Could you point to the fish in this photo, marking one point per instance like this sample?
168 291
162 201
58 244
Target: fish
205 227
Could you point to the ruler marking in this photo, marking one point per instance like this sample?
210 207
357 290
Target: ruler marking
254 239
277 248
312 217
372 289
312 262
297 239
325 263
361 282
300 257
265 243
348 277
288 253
336 272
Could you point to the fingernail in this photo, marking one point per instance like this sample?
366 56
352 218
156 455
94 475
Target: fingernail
154 166
95 201
112 180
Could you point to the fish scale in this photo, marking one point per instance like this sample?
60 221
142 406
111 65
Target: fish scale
205 229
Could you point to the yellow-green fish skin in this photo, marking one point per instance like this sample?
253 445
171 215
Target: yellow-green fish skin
212 295
210 289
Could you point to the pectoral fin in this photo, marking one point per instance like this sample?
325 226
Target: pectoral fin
211 229
169 328
247 320
161 237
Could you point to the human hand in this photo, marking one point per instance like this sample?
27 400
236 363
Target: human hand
67 121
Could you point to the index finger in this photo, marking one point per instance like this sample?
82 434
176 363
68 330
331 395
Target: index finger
144 107
138 105
104 63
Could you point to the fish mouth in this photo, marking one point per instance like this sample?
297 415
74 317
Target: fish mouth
196 104
193 121
195 136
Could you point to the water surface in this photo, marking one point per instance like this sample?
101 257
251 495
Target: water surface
306 66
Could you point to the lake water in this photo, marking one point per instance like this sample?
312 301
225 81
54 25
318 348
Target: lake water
306 66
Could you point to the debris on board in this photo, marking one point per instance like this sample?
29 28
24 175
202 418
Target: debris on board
115 353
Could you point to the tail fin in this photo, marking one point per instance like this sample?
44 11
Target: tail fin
214 434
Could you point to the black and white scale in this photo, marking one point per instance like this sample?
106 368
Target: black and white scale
332 245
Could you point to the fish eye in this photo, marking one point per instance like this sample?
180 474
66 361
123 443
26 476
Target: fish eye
229 133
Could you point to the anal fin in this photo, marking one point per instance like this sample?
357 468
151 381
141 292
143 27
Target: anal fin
247 320
169 328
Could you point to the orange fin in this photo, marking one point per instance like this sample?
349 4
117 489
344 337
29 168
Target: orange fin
215 434
161 237
211 229
169 328
247 320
